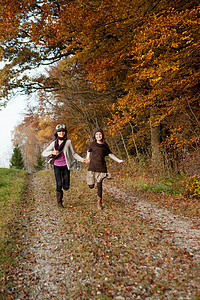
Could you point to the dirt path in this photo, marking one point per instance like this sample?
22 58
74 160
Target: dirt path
43 271
130 250
182 231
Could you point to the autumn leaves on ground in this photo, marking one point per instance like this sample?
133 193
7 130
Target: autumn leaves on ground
82 253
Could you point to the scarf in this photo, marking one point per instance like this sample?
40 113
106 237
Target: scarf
58 147
61 146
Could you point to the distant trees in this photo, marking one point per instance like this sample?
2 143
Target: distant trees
25 136
17 158
31 135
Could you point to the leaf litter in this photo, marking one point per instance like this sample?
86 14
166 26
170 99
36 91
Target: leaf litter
130 250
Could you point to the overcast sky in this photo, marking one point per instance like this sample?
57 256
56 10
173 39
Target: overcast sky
10 116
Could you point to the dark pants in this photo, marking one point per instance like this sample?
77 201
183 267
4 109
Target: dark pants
99 188
62 175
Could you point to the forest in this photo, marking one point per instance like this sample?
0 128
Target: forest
131 68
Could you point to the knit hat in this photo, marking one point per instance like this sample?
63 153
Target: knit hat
98 130
61 127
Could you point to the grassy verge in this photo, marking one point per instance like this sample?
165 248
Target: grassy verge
12 183
164 191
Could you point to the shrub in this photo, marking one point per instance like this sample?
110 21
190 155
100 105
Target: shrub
192 186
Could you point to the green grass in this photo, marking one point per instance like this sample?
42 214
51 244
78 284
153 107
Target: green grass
165 191
172 185
12 184
140 182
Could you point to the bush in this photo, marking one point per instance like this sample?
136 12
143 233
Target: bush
192 186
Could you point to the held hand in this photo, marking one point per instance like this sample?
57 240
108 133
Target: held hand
55 152
86 160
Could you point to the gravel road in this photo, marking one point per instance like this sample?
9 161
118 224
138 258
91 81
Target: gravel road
45 271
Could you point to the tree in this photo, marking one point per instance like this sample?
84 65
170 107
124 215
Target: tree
40 162
77 98
147 50
17 158
34 33
25 136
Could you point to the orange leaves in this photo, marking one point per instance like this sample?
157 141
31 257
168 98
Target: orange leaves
45 129
139 55
10 14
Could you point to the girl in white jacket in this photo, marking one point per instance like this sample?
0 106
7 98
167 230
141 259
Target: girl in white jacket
62 154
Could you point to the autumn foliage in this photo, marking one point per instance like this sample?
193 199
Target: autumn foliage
131 67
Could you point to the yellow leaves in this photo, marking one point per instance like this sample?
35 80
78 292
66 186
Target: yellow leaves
156 79
175 45
44 134
45 129
149 54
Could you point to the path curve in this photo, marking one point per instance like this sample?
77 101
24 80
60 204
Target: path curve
182 231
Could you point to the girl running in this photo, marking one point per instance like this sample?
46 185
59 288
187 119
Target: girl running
62 155
97 169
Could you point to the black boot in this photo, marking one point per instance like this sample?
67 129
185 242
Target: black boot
59 196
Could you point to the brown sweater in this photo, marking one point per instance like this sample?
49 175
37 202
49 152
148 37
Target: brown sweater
99 152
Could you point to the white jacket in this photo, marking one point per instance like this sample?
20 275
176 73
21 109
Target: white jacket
68 151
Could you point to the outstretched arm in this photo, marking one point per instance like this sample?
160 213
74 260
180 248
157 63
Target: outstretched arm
88 154
75 155
115 158
88 157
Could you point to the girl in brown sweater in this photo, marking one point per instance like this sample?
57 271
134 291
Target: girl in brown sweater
97 169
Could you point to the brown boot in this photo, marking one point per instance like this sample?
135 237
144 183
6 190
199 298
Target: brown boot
59 196
99 202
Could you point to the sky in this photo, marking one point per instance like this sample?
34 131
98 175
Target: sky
10 116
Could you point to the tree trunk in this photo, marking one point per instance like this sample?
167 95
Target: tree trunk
133 138
126 150
155 144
